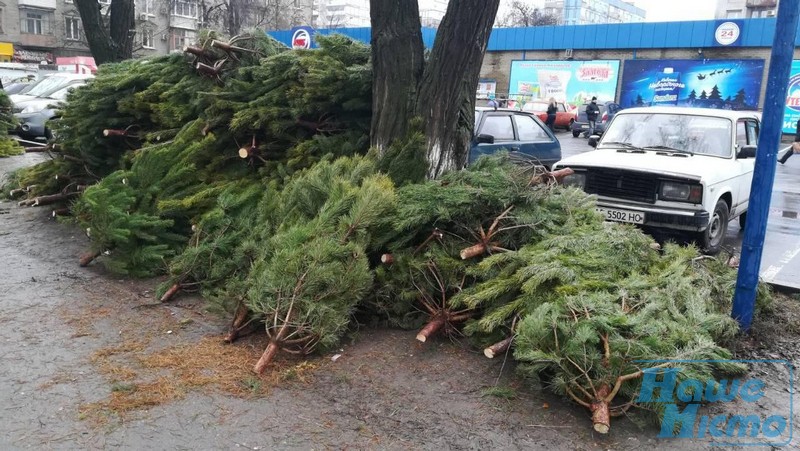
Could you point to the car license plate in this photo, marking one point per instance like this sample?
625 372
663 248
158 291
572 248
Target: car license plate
613 214
584 126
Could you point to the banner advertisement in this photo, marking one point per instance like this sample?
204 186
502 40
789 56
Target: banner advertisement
724 84
791 112
567 81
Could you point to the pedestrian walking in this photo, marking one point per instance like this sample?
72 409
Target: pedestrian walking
492 103
795 145
592 111
552 109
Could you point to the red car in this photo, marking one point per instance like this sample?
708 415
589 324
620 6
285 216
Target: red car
564 117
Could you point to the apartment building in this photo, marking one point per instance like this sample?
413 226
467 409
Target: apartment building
746 9
578 12
355 13
36 31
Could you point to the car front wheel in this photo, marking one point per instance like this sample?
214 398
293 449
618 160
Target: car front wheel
711 239
569 126
575 134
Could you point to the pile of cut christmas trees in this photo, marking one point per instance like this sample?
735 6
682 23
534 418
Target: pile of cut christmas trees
242 171
8 146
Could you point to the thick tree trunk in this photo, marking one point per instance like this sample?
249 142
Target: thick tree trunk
113 42
397 66
446 99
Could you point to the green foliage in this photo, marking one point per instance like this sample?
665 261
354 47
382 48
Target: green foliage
405 160
310 275
8 146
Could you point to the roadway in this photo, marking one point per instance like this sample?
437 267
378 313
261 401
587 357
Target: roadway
780 262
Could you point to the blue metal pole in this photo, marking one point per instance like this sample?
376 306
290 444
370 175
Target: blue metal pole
744 299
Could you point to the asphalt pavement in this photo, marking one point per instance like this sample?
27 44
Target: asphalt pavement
780 261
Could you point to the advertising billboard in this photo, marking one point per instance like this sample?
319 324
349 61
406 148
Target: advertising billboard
727 84
791 112
566 81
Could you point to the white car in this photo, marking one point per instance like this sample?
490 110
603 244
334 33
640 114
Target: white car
677 169
48 85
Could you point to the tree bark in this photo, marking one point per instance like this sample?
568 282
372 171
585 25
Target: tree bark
110 43
601 416
397 67
53 198
266 358
498 348
173 290
431 328
446 99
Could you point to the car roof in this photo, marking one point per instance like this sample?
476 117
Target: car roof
488 108
730 114
70 76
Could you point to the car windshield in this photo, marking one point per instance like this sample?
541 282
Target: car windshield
680 132
47 85
61 94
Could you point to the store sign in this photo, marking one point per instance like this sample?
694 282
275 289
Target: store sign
301 37
728 33
32 56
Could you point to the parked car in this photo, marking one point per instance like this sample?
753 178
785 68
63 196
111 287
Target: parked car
564 117
519 132
16 87
607 112
48 85
35 113
672 169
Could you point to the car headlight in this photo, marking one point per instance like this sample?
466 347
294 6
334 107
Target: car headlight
577 180
681 192
30 109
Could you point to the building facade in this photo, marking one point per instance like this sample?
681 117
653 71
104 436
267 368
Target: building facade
579 12
38 31
746 9
355 13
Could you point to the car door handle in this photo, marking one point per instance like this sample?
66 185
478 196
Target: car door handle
515 148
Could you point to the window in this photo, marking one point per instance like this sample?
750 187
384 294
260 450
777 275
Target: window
2 20
147 7
746 133
741 134
733 14
72 28
498 126
33 23
752 133
147 39
185 8
562 108
529 130
179 39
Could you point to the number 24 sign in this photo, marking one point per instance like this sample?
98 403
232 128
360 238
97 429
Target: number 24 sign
727 33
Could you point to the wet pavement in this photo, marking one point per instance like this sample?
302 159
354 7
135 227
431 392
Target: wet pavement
780 261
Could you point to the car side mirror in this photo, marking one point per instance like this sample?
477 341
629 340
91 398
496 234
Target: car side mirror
484 139
747 152
593 141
